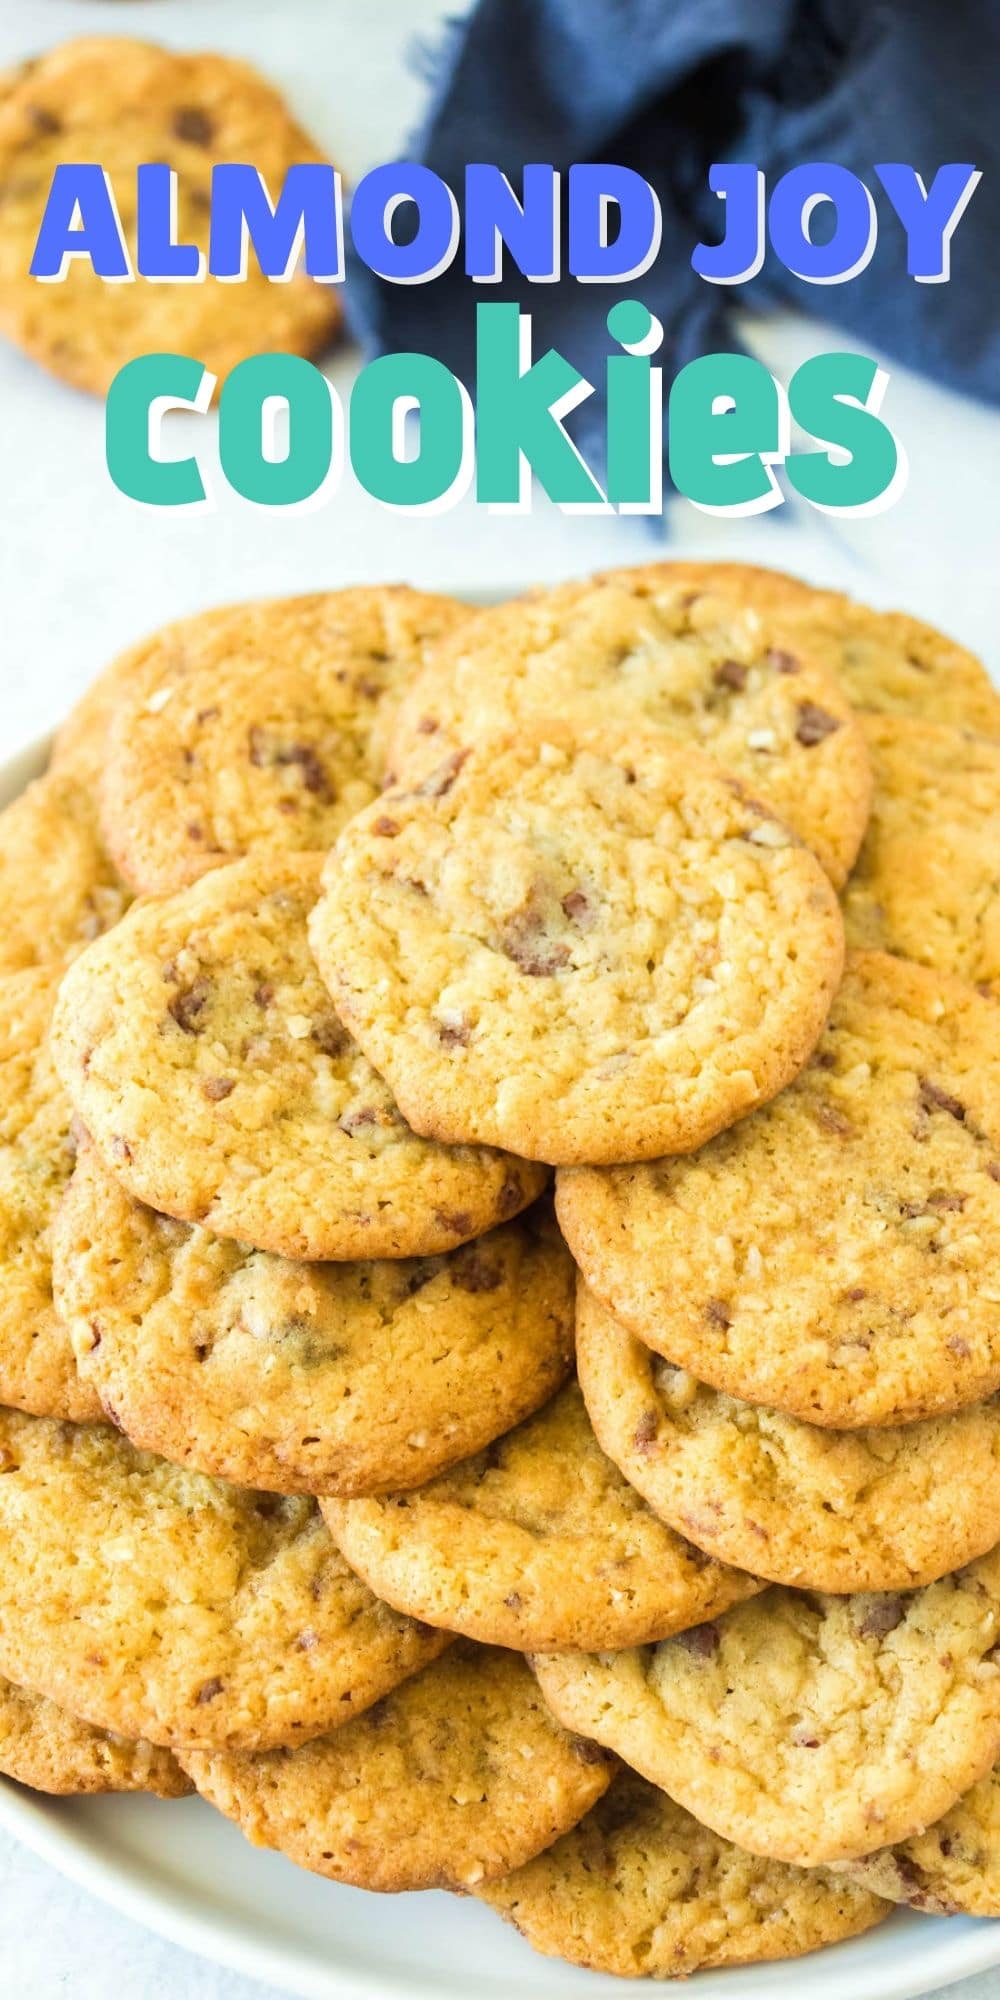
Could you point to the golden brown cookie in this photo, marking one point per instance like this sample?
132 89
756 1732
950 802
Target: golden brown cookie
804 1505
126 102
160 1604
885 660
44 1747
202 1052
58 890
835 1256
79 747
638 1888
256 726
811 1729
582 950
316 1378
37 1369
453 1780
953 1867
638 649
80 744
927 882
535 1543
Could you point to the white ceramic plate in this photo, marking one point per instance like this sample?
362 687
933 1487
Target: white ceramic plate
186 1873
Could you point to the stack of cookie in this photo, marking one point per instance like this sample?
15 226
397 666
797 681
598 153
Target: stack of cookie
631 1563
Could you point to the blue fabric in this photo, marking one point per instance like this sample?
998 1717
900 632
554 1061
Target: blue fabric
668 86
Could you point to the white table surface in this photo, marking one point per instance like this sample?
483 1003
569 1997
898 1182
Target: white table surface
83 572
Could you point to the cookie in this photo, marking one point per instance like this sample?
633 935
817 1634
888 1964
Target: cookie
203 1054
58 890
926 884
641 649
80 744
160 1604
37 1369
537 1542
315 1378
583 951
126 102
952 1868
639 1889
884 660
44 1747
455 1779
257 726
835 1256
823 1509
811 1729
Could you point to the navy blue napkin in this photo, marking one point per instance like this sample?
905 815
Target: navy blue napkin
667 87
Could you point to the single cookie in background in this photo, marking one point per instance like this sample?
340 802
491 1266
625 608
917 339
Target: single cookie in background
58 890
163 1605
803 1505
536 1543
808 1728
455 1779
125 102
316 1378
37 1369
927 882
641 1890
581 950
643 653
834 1256
202 1052
256 726
953 1868
44 1747
885 660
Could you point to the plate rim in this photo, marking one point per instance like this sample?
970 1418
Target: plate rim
946 1949
166 1912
